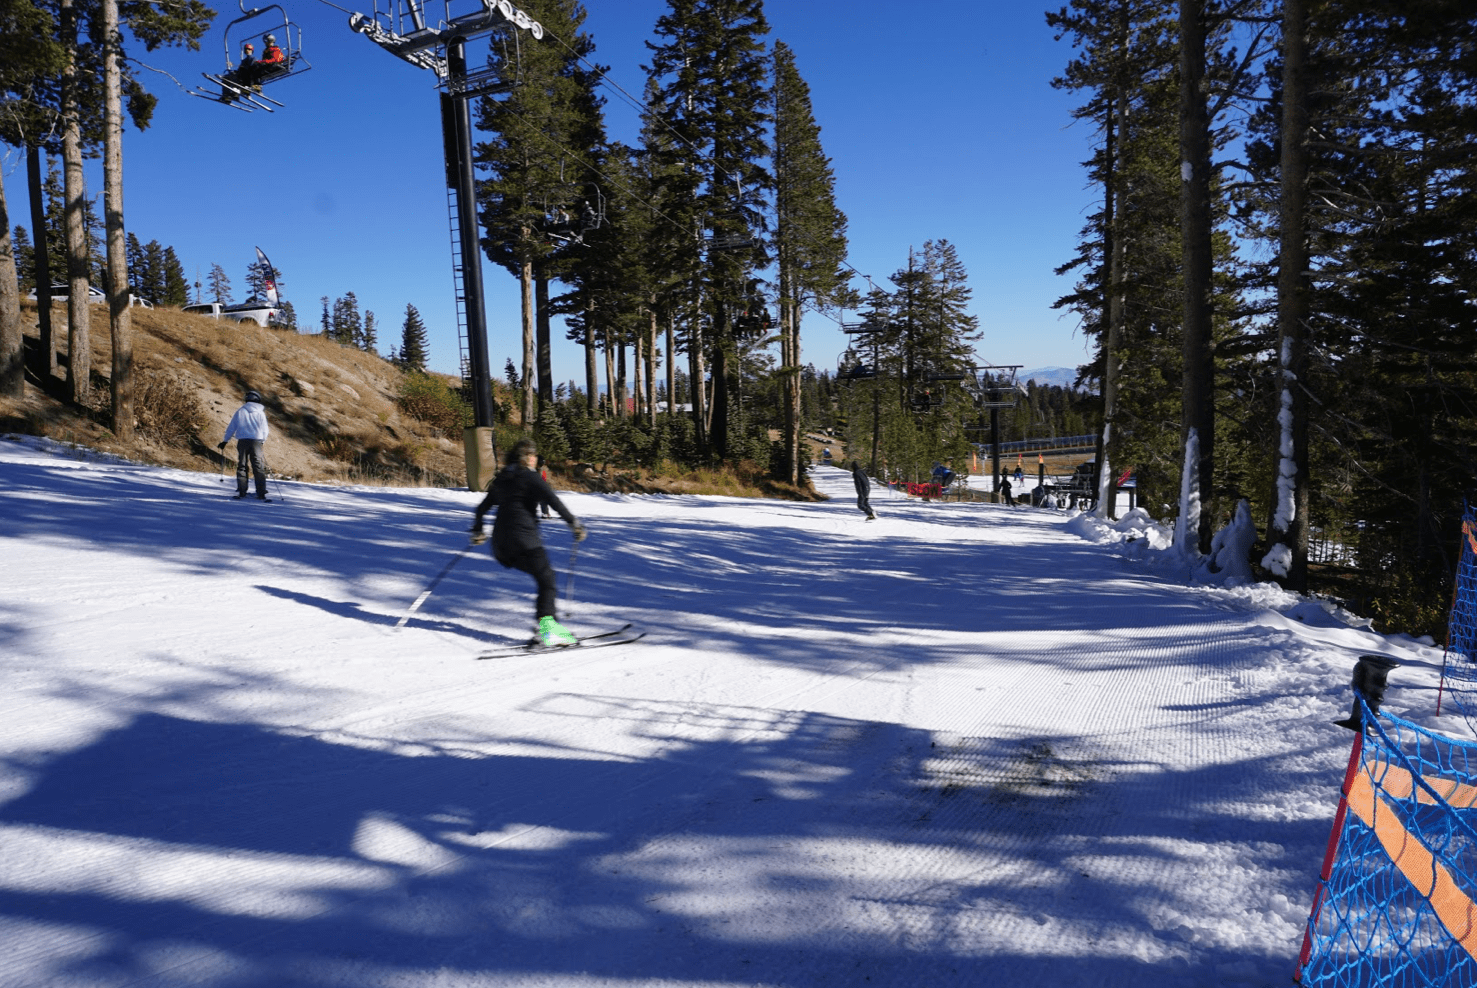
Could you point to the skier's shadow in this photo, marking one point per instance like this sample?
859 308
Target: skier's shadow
356 612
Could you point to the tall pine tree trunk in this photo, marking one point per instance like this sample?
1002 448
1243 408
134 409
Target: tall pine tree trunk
1287 529
592 376
638 368
697 387
790 374
530 368
120 316
79 324
622 385
609 374
1195 230
42 261
544 356
671 364
1107 505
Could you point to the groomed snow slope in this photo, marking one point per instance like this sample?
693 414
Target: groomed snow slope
960 745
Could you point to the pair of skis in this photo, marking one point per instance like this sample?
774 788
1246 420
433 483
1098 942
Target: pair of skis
624 635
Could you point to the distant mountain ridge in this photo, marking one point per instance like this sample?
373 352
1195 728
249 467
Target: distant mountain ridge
1060 376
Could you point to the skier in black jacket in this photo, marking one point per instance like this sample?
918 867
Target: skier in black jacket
863 489
518 491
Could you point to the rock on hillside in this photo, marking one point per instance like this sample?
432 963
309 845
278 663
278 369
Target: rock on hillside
332 408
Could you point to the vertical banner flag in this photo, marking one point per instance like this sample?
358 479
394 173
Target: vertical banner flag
269 277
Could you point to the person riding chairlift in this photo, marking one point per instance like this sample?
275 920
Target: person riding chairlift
272 59
243 75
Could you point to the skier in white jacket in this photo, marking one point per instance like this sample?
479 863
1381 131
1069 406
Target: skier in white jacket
249 426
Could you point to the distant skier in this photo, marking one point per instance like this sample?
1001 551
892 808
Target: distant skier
1005 488
863 489
249 426
518 491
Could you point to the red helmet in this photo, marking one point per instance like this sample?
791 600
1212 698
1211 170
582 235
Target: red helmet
248 46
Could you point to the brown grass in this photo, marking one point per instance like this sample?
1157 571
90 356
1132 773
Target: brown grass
337 413
332 408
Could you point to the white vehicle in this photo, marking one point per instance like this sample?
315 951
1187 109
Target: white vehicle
95 296
261 314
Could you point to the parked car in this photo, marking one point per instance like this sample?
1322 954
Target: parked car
95 296
262 315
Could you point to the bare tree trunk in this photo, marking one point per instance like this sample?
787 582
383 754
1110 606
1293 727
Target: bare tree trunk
622 387
1107 502
609 375
638 362
12 340
592 376
1287 529
671 364
42 260
79 324
651 372
544 350
530 368
1195 231
120 316
696 385
790 369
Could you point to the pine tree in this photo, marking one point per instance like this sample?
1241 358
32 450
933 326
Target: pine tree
25 259
258 273
413 340
28 53
543 133
219 285
176 288
348 325
810 234
711 74
370 334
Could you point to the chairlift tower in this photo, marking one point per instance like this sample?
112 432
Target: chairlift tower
994 387
435 35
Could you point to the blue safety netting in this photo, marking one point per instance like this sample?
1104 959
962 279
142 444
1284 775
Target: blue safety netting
1397 908
1459 674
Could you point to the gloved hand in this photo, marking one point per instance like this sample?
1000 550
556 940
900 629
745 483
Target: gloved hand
478 535
579 531
221 444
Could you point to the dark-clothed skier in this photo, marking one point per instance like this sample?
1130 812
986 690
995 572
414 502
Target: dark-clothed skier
518 491
249 426
863 489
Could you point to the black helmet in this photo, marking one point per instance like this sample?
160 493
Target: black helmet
253 396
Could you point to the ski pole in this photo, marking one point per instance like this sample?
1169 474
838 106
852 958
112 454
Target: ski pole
267 472
416 604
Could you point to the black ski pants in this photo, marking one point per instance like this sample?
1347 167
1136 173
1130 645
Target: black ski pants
535 562
249 459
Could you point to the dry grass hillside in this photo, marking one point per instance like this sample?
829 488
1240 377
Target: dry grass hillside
333 409
336 412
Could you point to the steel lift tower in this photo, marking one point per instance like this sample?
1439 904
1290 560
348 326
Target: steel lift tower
435 36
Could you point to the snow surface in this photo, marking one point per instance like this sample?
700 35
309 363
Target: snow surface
964 744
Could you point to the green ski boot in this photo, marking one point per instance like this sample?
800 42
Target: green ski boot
552 634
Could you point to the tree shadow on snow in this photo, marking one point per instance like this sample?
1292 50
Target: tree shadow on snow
805 850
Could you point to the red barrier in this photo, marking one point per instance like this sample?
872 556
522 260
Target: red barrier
925 490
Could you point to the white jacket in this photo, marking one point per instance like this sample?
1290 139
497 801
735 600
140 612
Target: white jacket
249 422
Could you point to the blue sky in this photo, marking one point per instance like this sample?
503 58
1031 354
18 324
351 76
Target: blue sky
938 117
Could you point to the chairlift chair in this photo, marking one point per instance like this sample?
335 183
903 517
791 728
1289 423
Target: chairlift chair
559 224
243 90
